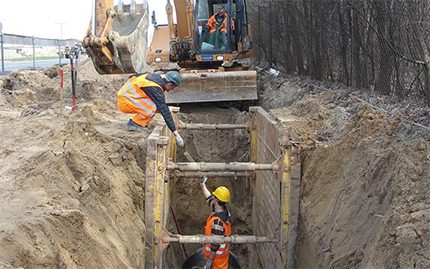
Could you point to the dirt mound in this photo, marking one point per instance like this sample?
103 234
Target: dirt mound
41 89
72 186
366 169
74 195
365 195
28 89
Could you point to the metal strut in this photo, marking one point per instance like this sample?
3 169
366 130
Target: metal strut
212 174
235 166
217 239
200 126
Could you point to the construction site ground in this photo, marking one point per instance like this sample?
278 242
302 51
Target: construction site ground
72 187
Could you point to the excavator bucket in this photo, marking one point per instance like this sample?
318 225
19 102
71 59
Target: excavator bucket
214 87
117 42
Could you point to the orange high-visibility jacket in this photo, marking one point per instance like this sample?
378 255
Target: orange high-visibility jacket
132 99
223 28
220 260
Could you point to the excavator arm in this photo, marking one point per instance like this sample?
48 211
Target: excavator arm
184 17
116 40
117 43
182 34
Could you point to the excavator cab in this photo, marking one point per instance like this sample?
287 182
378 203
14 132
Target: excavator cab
208 53
220 34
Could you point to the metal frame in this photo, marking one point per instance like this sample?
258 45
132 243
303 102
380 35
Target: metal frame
280 240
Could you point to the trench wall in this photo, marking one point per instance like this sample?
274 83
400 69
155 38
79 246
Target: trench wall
161 148
275 194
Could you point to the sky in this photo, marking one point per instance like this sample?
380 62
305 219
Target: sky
45 18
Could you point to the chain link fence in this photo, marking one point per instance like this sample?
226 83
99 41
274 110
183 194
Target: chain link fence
29 52
379 45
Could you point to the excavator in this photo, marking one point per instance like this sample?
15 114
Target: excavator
117 43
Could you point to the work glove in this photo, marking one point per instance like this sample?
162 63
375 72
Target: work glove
208 265
203 180
179 140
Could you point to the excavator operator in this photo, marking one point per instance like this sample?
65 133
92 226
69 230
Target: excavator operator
217 25
218 223
143 95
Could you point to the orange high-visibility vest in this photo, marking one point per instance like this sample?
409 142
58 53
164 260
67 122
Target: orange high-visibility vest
220 260
131 94
223 28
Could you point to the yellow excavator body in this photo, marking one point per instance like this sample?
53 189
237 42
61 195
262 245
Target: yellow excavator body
117 44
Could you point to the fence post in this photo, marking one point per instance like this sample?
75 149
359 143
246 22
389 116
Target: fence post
59 52
34 53
2 51
61 91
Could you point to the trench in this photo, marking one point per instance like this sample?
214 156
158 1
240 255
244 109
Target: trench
187 200
364 200
249 153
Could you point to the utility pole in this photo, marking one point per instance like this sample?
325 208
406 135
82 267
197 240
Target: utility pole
59 40
93 16
1 47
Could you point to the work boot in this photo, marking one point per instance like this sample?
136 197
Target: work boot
134 127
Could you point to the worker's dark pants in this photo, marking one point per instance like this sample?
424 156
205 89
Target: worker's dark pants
218 39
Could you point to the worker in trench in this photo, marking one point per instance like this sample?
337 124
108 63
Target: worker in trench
218 223
143 95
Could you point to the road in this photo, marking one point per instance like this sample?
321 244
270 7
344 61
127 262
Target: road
27 65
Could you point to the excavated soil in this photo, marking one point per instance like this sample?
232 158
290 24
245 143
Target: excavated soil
75 184
366 174
72 187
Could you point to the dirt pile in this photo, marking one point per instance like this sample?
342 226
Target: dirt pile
75 184
366 174
72 187
365 198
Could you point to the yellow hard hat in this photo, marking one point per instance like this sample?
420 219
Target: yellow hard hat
222 194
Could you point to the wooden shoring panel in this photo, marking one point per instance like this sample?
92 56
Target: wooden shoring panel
294 202
266 217
156 195
275 194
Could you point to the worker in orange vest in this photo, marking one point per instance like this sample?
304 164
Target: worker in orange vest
218 223
143 95
217 25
